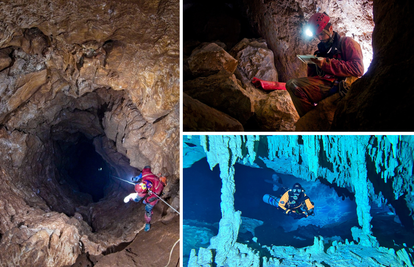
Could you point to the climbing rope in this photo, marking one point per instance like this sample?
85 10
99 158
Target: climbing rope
171 252
149 191
164 202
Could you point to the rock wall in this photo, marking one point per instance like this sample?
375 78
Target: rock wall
104 71
281 23
372 103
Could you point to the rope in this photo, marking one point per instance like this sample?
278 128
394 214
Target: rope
171 252
149 191
123 180
165 202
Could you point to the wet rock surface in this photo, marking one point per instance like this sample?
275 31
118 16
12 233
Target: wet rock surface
88 91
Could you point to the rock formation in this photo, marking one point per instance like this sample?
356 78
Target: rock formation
375 169
277 26
88 91
370 106
222 81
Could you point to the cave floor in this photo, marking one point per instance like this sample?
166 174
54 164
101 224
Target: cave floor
152 248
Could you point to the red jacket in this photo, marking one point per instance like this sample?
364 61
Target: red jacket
344 59
156 186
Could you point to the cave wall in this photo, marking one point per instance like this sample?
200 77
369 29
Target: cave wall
78 47
381 99
107 71
281 23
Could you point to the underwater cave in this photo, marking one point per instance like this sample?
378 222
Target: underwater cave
81 107
345 202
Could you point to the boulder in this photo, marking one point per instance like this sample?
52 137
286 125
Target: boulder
255 59
209 59
223 92
276 112
200 117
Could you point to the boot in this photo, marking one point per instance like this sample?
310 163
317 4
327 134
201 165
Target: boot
147 227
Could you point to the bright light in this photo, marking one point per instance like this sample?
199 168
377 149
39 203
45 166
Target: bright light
308 32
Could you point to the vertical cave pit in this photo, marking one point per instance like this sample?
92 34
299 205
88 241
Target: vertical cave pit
83 101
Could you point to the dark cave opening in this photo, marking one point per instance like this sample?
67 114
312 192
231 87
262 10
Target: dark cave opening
210 21
87 171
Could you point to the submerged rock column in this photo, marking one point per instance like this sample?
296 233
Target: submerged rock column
227 150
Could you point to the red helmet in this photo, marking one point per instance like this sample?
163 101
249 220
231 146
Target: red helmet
318 22
141 188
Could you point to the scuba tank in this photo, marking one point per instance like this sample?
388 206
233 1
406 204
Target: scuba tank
271 200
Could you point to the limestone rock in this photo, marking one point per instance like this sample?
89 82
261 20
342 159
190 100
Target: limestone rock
273 111
209 59
276 112
255 59
222 92
283 29
76 75
369 105
320 118
5 60
200 117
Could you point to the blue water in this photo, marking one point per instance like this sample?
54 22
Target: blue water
335 210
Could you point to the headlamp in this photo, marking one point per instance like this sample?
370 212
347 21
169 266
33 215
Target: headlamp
308 32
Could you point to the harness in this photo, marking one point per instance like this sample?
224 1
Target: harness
295 204
333 52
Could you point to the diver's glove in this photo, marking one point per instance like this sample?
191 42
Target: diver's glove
130 196
311 212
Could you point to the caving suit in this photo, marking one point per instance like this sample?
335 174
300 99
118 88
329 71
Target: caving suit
343 65
300 208
154 185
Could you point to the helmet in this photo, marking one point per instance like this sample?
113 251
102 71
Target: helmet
147 167
140 188
318 22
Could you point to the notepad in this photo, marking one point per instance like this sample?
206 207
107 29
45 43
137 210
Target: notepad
306 59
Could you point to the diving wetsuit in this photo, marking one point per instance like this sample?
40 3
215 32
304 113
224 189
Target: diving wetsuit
300 208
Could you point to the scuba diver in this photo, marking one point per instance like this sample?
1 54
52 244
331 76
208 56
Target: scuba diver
148 187
294 202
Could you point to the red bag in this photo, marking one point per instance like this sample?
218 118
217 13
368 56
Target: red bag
267 85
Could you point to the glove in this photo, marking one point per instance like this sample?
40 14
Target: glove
130 196
311 212
137 178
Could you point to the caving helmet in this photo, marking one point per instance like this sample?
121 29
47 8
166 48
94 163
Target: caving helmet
147 167
141 187
317 24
